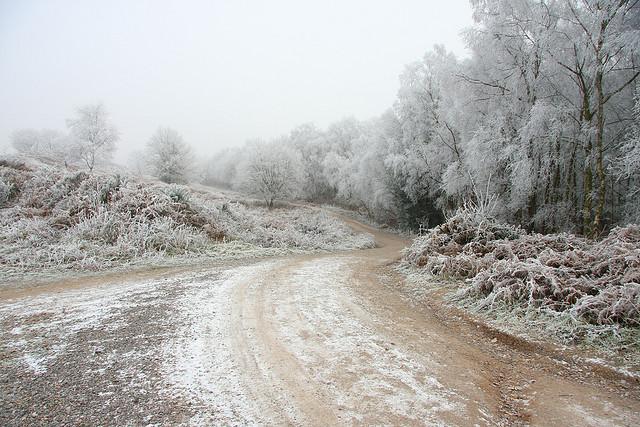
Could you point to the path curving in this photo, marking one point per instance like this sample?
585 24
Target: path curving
314 340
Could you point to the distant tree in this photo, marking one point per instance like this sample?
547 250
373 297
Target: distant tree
222 169
137 163
310 142
272 171
32 141
170 157
47 145
626 167
541 117
94 135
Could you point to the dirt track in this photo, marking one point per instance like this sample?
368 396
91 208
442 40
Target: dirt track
309 340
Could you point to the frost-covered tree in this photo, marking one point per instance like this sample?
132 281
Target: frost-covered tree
34 142
596 49
626 167
503 82
169 156
271 171
222 169
550 85
370 176
93 134
540 117
137 163
313 147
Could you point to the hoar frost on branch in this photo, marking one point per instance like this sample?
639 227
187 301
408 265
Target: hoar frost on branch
93 134
627 166
271 172
91 140
169 157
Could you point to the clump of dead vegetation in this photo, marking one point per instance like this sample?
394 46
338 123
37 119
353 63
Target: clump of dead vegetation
57 219
561 276
76 220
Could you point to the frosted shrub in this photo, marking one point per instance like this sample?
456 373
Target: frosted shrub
76 220
596 282
63 220
168 236
104 226
613 305
299 228
109 188
5 192
466 238
178 193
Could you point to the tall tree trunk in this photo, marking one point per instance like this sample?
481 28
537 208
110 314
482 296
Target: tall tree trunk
600 101
572 186
600 171
587 202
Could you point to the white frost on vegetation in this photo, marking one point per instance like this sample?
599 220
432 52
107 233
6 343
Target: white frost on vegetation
54 220
565 286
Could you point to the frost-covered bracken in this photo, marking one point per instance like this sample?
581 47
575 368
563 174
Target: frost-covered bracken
597 282
52 219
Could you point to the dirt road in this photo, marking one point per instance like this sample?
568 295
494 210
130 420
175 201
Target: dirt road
321 340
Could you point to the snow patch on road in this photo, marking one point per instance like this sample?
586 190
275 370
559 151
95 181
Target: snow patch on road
199 363
47 322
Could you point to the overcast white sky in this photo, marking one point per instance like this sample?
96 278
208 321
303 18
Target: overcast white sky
219 72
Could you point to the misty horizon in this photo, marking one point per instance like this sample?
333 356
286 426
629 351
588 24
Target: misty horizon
219 73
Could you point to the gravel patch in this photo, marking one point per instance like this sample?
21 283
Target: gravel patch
91 357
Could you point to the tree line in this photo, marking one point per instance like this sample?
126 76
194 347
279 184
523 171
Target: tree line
544 118
91 141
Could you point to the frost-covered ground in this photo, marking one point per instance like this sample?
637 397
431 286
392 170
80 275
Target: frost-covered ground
383 377
56 220
89 356
178 350
302 337
200 362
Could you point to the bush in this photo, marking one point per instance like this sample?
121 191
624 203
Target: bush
110 188
302 228
5 192
178 194
14 164
66 220
596 282
75 220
